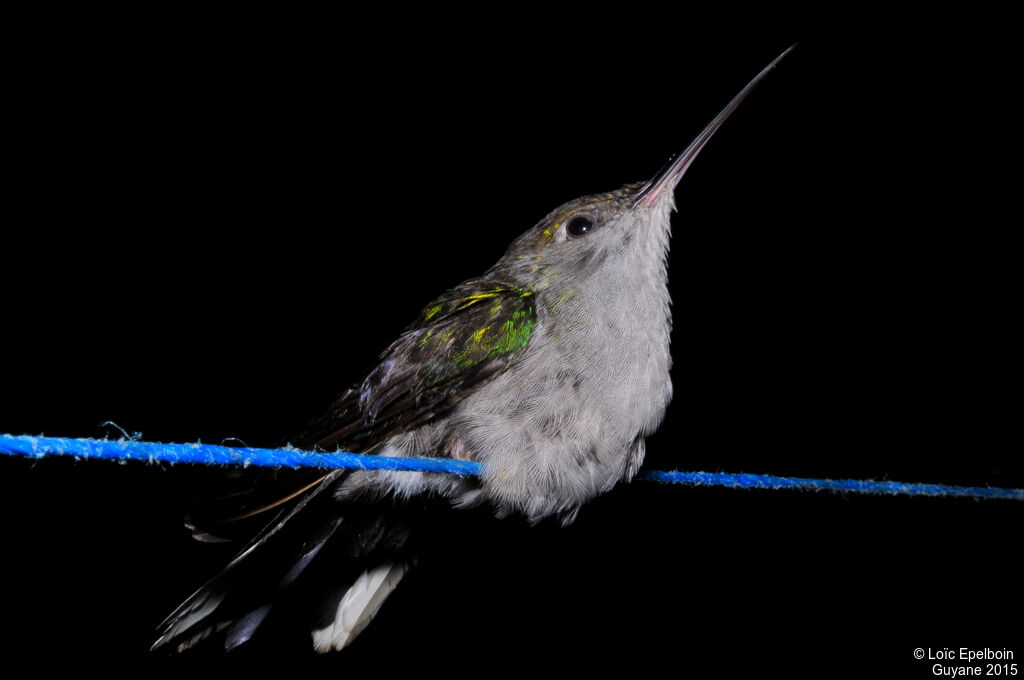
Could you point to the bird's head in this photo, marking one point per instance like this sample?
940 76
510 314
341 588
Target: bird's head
603 235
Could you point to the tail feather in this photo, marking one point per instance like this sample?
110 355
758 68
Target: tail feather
237 601
254 578
358 605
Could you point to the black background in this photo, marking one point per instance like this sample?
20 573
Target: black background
215 223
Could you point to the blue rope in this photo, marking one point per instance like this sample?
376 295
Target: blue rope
865 486
207 454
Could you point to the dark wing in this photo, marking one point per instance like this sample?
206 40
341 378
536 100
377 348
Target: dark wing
459 342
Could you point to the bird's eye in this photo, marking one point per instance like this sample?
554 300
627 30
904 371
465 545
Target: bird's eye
579 226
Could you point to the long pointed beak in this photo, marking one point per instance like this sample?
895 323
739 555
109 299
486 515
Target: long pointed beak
666 180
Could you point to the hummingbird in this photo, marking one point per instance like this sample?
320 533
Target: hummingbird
551 369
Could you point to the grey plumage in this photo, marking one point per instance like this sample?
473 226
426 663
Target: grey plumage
551 369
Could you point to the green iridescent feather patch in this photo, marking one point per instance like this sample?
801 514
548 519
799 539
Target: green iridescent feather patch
459 334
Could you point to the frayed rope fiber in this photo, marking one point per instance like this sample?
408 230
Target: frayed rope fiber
207 454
